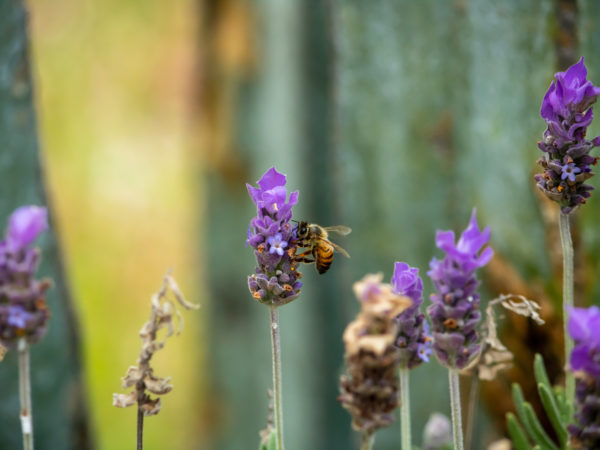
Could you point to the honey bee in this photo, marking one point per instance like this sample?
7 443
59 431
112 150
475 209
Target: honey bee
315 239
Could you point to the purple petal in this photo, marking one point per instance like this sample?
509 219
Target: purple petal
445 240
575 74
271 179
293 198
255 193
582 322
274 198
25 225
579 357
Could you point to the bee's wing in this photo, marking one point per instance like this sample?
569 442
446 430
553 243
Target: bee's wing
340 229
339 249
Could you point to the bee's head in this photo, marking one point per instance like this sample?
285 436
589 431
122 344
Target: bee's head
302 230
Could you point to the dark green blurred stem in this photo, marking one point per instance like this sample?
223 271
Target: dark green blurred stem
567 249
276 347
368 438
473 394
25 395
405 408
457 434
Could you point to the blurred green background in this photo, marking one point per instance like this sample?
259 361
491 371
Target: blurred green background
115 83
393 117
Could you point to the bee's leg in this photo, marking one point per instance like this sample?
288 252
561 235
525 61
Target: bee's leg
305 253
304 260
303 257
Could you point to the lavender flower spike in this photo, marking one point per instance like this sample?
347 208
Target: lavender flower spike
584 328
275 281
455 310
23 311
566 108
413 331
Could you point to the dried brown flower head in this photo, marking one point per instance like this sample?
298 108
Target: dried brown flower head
164 311
370 390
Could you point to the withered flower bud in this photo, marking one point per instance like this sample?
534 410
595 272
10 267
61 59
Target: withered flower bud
370 390
142 377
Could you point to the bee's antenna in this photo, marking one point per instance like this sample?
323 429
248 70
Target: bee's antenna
295 221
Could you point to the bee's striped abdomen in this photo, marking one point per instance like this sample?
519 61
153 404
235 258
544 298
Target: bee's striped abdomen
323 257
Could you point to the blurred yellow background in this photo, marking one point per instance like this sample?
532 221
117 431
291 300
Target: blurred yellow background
115 86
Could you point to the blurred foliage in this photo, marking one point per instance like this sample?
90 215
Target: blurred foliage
114 82
395 118
57 379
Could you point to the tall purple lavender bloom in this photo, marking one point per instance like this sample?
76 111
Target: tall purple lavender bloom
275 281
23 311
567 162
413 331
584 328
455 310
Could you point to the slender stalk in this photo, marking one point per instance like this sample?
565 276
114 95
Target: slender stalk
405 408
567 249
457 434
140 427
368 438
25 395
276 347
473 395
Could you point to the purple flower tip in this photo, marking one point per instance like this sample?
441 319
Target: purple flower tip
570 91
584 328
454 311
406 281
467 248
275 281
567 110
25 225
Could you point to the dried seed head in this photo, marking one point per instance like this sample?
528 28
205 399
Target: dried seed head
163 316
370 390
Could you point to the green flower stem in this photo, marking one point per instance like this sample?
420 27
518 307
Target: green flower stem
457 434
567 249
405 408
368 439
276 347
25 395
473 397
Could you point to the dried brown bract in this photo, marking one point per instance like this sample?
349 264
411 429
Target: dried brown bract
163 316
494 356
370 390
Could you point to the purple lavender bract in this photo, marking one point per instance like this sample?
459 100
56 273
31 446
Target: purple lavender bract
23 311
584 328
413 337
455 310
566 108
275 281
